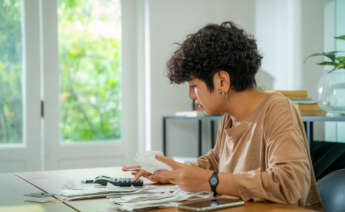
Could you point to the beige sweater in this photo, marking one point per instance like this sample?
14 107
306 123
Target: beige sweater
267 154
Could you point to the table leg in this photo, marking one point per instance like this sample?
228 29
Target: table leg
212 133
164 137
199 137
309 132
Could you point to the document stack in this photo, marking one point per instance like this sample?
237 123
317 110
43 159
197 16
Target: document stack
153 197
87 191
131 198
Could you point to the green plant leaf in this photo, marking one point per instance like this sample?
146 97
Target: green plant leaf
339 66
326 63
341 37
341 59
330 55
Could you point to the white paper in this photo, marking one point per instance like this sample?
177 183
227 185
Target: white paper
84 191
155 196
149 163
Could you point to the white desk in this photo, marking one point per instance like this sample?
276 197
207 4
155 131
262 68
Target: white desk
12 194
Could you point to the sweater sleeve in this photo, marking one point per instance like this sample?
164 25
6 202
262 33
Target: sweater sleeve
287 176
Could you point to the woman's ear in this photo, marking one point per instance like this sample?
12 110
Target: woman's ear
222 81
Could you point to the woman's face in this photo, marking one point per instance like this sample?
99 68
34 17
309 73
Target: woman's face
209 102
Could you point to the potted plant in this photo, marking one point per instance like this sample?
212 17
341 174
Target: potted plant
332 84
334 60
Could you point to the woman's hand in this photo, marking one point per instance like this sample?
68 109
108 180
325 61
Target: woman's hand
187 177
138 172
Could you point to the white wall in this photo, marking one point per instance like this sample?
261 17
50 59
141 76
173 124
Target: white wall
287 32
278 21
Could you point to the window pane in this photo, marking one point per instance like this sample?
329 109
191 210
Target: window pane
11 113
89 54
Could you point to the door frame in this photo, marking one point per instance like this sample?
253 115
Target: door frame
26 156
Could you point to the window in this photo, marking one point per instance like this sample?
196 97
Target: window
67 53
11 113
89 56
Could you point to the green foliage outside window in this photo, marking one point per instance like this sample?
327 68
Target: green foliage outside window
89 64
90 86
10 72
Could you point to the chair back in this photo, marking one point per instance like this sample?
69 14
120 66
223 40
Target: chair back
332 191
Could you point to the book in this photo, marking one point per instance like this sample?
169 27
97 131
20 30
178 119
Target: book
303 100
313 113
310 109
294 94
306 106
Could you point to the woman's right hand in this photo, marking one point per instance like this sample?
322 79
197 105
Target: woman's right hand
138 172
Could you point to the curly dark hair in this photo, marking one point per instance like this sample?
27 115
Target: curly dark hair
212 49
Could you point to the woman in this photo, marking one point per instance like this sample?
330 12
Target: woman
261 153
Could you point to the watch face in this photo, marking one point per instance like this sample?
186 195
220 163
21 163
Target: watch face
213 180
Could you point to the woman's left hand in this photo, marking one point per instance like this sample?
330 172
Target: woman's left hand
187 177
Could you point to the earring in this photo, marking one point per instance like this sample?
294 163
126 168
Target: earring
224 94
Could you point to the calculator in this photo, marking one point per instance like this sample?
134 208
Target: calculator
117 181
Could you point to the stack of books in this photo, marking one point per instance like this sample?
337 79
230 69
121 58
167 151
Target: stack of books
306 105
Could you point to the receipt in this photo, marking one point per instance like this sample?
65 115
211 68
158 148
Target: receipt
149 163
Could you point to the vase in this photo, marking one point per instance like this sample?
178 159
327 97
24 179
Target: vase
331 92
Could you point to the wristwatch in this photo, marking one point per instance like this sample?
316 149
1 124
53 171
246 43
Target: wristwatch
214 180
